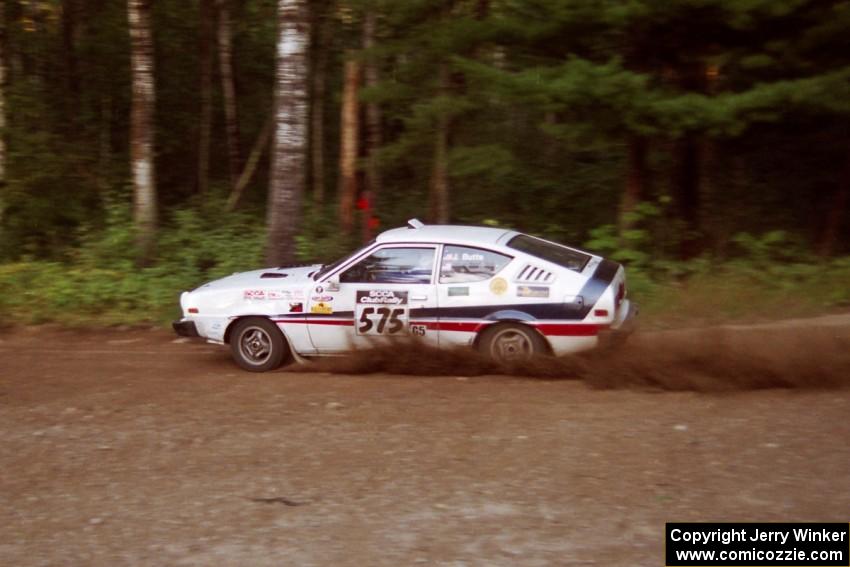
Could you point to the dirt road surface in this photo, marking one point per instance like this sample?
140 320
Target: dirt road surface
126 448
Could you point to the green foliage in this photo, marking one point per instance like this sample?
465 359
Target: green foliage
320 240
541 100
719 293
631 246
101 284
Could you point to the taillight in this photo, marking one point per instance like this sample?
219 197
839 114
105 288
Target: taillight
192 310
621 293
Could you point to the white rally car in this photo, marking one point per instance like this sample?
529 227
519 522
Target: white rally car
507 294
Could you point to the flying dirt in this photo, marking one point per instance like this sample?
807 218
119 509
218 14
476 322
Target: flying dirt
806 354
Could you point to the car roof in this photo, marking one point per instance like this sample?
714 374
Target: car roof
453 234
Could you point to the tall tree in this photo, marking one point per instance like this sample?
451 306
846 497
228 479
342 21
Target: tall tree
317 101
289 146
70 32
3 74
637 181
349 143
374 135
142 127
250 168
439 195
228 89
207 21
837 210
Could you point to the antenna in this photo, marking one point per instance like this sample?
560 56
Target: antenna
415 223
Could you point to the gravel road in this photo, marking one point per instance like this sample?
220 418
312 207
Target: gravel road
127 448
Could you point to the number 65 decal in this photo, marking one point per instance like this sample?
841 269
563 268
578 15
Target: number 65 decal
381 320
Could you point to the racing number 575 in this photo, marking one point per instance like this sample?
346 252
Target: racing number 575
387 314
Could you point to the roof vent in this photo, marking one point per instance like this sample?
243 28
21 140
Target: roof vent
268 275
415 223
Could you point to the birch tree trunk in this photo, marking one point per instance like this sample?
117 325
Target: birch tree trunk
439 197
142 127
289 145
228 88
349 136
206 111
317 118
374 136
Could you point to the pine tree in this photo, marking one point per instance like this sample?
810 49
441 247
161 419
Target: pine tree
207 24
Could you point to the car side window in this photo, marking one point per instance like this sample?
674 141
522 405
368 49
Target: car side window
393 265
462 264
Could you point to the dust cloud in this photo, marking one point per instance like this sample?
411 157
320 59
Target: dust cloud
706 360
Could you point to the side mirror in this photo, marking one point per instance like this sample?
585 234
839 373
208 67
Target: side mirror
333 283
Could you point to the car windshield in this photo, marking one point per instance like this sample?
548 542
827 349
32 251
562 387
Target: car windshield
549 251
327 268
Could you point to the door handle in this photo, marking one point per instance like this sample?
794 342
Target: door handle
418 297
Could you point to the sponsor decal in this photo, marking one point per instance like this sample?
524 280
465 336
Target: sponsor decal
463 257
418 330
283 294
498 286
532 291
297 307
323 298
381 297
271 294
254 294
322 308
458 291
381 312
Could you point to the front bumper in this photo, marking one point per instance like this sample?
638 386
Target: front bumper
185 328
617 334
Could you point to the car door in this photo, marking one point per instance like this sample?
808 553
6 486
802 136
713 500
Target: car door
369 302
471 285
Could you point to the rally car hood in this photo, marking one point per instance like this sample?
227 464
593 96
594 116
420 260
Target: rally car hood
269 278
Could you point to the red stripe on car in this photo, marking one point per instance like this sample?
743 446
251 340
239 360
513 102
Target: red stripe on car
338 322
461 326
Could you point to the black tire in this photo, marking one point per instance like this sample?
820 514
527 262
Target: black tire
511 342
258 345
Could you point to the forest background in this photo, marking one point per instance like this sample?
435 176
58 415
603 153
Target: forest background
147 146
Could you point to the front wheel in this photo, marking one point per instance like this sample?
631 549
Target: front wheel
257 345
509 342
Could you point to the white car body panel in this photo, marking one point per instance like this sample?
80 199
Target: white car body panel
318 315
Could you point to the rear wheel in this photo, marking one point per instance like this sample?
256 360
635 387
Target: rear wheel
510 342
257 345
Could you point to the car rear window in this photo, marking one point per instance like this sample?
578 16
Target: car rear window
549 251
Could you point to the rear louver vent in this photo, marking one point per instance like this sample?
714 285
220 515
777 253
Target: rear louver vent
533 274
272 275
